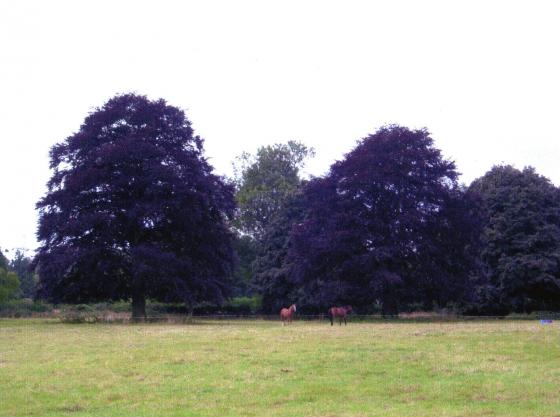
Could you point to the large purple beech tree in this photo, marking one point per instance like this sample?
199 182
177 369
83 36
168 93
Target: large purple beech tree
387 224
133 210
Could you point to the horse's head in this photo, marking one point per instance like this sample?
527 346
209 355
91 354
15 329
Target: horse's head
293 308
348 309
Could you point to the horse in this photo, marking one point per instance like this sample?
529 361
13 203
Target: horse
339 312
287 313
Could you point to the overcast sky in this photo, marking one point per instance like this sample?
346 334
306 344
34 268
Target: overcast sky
482 76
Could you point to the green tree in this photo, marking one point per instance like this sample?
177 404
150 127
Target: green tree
272 270
9 285
21 266
520 211
245 250
265 181
3 261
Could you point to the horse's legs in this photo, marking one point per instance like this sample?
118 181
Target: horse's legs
345 320
332 319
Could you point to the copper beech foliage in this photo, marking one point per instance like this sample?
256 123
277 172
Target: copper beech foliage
133 210
387 224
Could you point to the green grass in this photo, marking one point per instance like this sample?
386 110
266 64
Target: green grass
258 368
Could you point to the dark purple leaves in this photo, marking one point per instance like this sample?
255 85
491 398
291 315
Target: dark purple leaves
133 204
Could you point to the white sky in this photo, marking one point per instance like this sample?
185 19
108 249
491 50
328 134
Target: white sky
482 76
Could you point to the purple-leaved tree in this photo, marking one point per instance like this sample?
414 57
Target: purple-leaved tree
387 224
134 211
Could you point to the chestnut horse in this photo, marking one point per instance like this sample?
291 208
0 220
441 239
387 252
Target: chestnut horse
339 312
287 313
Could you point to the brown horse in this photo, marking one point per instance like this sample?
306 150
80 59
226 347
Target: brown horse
339 312
287 313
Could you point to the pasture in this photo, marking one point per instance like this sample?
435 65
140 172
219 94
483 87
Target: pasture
259 368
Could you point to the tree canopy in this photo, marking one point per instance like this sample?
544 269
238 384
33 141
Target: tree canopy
9 285
133 210
245 250
379 223
272 269
265 181
3 260
520 251
21 265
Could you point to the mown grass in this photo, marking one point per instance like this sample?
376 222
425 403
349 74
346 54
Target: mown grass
258 368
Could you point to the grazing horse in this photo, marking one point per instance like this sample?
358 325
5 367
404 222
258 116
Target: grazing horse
339 312
287 313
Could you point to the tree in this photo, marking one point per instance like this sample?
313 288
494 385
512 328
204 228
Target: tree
9 285
520 248
272 269
265 181
133 210
21 266
378 225
245 251
448 254
3 260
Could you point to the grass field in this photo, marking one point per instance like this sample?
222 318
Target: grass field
258 368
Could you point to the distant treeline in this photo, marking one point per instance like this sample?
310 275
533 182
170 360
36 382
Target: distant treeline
135 212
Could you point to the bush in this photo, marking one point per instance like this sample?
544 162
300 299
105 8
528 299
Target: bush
237 306
24 308
245 305
90 313
80 313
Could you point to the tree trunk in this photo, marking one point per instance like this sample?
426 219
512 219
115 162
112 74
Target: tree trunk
429 304
138 307
190 309
389 306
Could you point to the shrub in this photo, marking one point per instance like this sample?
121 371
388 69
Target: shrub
80 313
24 308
